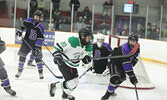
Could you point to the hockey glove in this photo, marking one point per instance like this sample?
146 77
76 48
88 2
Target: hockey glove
57 57
2 46
86 59
19 33
134 61
133 79
36 52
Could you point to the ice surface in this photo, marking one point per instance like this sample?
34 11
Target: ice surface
30 87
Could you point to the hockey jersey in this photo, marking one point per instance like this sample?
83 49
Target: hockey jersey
125 63
34 33
100 65
73 49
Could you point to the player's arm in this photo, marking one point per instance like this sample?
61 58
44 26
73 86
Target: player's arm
87 55
61 47
39 40
26 23
135 60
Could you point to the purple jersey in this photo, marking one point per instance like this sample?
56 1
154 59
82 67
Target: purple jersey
34 32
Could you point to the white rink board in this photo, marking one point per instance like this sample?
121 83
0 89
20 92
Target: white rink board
152 49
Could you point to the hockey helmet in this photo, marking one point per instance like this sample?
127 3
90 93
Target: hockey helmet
82 35
133 36
100 39
39 14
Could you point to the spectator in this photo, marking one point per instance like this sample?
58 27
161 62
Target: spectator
12 21
79 25
150 33
104 27
76 6
41 5
56 4
118 29
107 8
57 16
154 27
33 7
165 35
89 25
2 6
47 14
140 31
157 33
51 25
64 25
19 22
44 23
86 14
65 21
125 31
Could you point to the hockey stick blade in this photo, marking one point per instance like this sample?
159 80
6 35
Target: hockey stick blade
85 72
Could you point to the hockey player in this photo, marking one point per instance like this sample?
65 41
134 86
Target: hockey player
120 67
100 49
34 37
3 73
73 48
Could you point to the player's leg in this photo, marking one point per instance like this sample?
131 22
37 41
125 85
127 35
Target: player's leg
115 81
24 50
40 67
31 60
4 79
71 80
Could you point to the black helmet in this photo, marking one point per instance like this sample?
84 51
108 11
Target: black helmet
38 13
82 34
133 36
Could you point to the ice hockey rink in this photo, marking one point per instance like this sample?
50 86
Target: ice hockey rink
30 87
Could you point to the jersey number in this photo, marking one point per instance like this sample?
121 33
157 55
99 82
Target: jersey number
64 44
33 35
97 53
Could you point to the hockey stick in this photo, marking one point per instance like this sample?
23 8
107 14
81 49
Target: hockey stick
136 92
48 49
60 77
85 72
112 57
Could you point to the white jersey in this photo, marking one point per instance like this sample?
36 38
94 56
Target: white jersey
73 50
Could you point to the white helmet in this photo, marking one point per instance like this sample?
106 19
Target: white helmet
100 40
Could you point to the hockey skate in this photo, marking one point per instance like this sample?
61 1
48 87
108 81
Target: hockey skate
52 89
29 63
41 76
18 73
10 91
66 96
40 73
106 96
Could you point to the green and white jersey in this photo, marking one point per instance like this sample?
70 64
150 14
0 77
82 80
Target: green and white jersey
73 49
